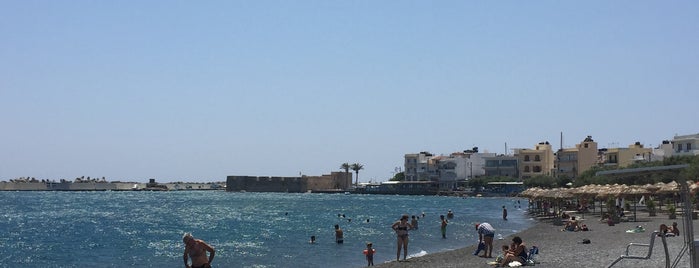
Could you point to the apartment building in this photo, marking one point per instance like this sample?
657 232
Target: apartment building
685 145
535 162
570 162
501 166
420 167
446 170
662 151
623 157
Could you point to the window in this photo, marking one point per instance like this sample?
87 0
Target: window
537 168
689 147
679 147
586 145
537 158
526 158
526 169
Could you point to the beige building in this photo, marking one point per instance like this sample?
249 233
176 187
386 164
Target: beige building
420 167
535 162
623 157
570 162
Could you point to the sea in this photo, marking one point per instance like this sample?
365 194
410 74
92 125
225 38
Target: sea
144 229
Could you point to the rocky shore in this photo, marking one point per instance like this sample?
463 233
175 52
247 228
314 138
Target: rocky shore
565 249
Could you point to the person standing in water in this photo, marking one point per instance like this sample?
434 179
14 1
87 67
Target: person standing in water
339 236
504 213
196 249
401 228
444 226
413 222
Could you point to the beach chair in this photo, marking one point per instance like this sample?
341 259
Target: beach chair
647 256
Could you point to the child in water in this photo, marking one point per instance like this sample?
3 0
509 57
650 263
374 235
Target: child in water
369 252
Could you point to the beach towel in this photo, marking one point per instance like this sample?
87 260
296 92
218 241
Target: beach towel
638 229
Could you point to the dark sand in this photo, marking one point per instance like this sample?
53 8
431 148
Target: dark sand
563 249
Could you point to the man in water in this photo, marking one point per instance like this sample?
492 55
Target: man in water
504 213
196 250
339 238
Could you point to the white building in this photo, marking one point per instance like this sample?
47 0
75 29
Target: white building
685 145
447 170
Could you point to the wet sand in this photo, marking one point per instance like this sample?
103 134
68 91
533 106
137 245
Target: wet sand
564 249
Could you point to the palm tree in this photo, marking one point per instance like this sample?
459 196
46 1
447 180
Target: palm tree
346 167
356 167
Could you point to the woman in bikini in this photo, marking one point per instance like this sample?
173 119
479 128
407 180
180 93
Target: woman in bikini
401 227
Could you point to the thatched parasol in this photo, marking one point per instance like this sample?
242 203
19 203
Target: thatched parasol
530 192
669 188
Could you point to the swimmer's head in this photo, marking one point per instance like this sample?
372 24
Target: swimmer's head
187 237
369 244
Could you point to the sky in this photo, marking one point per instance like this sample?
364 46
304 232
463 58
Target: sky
200 90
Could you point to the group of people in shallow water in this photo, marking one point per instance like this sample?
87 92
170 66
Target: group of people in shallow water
486 233
196 249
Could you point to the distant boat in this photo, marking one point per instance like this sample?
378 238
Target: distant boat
347 193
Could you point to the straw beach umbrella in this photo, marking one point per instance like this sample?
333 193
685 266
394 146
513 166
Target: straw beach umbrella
669 188
635 191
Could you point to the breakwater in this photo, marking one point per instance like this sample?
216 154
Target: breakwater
102 186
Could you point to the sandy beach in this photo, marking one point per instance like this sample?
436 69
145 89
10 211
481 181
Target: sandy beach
564 249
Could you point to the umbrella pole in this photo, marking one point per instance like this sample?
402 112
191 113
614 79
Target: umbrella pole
635 218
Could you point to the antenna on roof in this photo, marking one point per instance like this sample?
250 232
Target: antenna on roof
561 140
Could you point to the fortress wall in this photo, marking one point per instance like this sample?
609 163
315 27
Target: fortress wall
266 184
22 186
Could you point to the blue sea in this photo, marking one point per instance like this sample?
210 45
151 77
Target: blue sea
144 229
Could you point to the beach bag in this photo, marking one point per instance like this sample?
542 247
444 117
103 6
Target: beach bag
481 246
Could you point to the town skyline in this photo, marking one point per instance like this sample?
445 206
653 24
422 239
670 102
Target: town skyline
185 91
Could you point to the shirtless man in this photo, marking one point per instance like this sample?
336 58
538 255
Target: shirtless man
196 250
339 237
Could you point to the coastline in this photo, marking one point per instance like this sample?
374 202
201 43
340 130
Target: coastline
564 249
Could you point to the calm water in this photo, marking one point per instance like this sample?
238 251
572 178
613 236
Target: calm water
110 229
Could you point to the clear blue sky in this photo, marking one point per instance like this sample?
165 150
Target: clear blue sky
198 90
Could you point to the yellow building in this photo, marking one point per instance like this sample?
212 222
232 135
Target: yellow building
623 157
535 162
570 162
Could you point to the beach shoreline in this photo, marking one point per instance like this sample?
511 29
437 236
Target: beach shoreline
564 249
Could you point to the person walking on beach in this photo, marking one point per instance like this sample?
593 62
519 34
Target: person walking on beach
444 226
504 213
196 249
401 228
486 233
339 236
